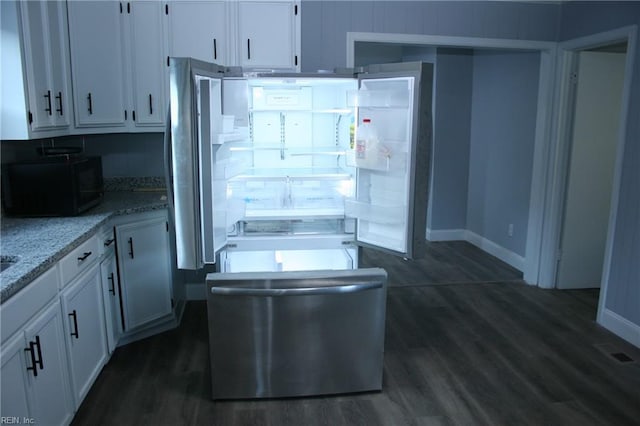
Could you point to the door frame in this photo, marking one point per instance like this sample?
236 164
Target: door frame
568 52
531 263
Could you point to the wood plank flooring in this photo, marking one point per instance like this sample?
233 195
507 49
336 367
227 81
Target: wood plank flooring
487 352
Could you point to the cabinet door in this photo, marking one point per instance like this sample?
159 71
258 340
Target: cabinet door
95 37
143 255
111 298
14 400
44 28
85 330
199 30
51 396
148 61
266 34
60 65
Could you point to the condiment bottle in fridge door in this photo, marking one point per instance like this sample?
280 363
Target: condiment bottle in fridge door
366 145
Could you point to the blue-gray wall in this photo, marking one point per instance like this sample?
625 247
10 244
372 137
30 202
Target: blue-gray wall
451 136
325 23
123 154
623 290
503 122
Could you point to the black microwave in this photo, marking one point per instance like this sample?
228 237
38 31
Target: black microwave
52 186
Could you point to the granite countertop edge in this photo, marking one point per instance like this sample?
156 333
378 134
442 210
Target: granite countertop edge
39 243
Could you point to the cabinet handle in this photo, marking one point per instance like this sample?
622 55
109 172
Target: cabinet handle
108 242
74 315
215 49
39 353
248 48
112 290
90 104
150 104
131 247
48 97
33 367
84 256
59 98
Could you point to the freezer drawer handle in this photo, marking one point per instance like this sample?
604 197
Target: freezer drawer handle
304 291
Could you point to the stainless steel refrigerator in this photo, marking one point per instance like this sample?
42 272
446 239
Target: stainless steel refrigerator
278 179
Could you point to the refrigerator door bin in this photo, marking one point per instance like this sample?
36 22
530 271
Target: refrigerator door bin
296 333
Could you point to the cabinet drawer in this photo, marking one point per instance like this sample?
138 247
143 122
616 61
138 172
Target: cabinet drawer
79 259
24 305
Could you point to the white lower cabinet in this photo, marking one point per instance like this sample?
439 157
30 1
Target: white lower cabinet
144 262
111 298
85 330
14 392
35 386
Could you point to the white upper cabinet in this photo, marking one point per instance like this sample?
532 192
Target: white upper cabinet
199 30
45 39
35 57
268 34
147 54
257 35
95 37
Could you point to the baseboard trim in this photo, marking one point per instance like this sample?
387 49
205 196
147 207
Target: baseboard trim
496 250
446 234
620 326
507 256
195 291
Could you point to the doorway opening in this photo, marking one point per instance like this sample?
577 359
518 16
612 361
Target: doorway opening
594 128
491 134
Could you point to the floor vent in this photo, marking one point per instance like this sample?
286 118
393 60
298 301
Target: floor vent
621 357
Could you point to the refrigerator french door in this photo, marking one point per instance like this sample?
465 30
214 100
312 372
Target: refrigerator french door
278 179
275 173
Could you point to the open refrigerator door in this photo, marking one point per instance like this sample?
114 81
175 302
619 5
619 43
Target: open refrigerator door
392 157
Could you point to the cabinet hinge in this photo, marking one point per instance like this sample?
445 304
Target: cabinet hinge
166 9
30 117
295 9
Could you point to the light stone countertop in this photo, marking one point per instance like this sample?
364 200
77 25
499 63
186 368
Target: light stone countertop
36 244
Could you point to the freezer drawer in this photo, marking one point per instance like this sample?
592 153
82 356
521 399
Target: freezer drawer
284 334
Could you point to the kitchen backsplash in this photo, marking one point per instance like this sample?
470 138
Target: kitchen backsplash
150 183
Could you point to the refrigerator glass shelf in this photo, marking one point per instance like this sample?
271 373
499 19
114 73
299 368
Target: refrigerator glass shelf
293 227
293 174
340 111
293 214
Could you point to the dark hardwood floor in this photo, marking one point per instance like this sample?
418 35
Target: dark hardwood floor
485 350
